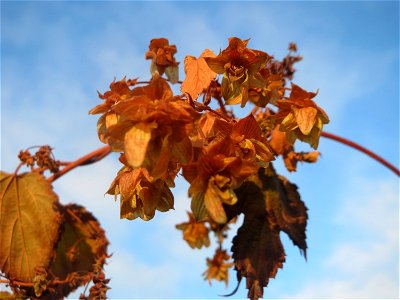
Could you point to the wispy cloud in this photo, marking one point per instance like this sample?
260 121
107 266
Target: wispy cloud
367 265
60 59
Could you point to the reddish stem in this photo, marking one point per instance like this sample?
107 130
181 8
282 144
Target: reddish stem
100 153
31 284
19 167
221 104
362 149
89 158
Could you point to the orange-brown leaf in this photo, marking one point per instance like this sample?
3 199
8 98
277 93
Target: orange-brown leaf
305 118
136 141
257 250
83 244
29 224
286 210
198 74
258 253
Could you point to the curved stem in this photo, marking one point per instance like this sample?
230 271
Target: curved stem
19 167
100 153
31 284
89 158
362 149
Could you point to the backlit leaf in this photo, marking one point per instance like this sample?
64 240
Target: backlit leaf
198 74
305 118
136 140
198 208
213 203
29 224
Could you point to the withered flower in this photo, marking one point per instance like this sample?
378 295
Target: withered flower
162 58
218 267
140 194
240 66
272 91
119 90
223 165
300 117
26 158
195 233
281 146
151 127
213 179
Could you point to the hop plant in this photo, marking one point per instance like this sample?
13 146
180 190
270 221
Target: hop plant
227 160
48 249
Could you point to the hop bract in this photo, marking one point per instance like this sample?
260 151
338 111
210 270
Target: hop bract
240 67
300 117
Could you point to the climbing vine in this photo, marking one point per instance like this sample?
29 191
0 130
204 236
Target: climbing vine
47 249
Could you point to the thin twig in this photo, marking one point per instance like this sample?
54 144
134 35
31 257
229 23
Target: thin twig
89 158
201 106
221 104
31 284
362 149
19 167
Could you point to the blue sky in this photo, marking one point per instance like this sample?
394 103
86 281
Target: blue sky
56 55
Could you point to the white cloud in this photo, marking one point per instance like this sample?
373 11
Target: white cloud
367 266
52 111
135 279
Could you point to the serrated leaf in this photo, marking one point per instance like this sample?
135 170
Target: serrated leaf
258 254
29 224
83 242
270 204
285 208
257 249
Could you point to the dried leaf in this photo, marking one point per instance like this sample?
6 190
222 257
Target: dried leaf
198 74
270 204
258 254
83 234
40 284
29 224
285 208
257 249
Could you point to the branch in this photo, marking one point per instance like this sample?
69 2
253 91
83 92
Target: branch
31 284
361 149
87 159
